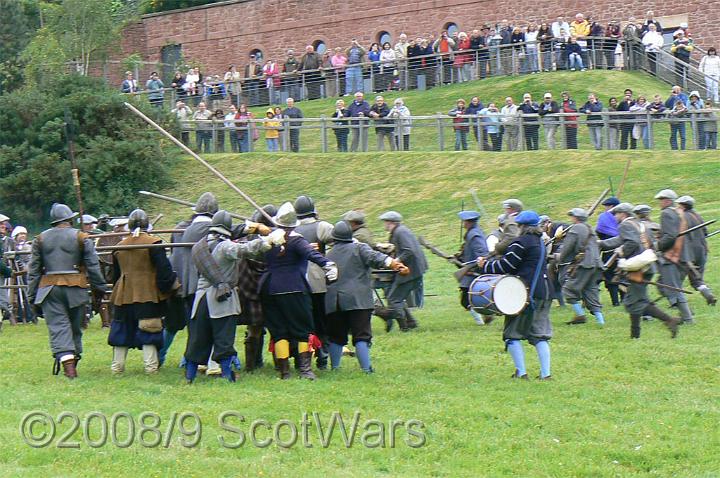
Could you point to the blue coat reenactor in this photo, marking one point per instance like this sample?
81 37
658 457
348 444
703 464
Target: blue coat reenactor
349 300
63 262
474 246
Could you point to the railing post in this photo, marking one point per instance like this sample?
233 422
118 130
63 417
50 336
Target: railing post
564 131
286 133
323 132
694 126
650 132
522 146
364 132
214 136
251 140
399 136
606 125
441 136
479 129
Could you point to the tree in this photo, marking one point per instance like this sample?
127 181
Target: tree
20 19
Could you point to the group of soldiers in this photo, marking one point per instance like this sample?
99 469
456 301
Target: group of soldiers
305 281
310 283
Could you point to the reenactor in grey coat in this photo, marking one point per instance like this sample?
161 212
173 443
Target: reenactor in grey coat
642 213
409 252
361 232
698 249
349 300
319 234
580 268
63 261
632 241
510 229
675 252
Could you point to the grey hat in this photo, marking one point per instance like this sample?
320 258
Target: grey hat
342 232
221 223
88 219
687 200
354 216
625 207
206 204
642 209
61 213
666 194
138 218
286 216
391 216
118 221
4 218
514 204
579 213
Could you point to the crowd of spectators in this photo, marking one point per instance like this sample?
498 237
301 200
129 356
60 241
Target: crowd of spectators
430 60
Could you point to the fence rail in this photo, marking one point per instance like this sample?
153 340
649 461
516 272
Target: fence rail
490 132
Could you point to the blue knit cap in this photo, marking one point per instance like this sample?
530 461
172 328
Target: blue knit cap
529 218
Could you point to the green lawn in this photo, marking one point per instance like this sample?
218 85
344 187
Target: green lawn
440 100
616 407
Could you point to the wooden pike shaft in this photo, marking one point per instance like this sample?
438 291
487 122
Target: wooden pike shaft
595 205
129 247
181 201
201 161
624 178
127 233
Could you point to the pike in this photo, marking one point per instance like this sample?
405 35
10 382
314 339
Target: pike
595 205
713 234
481 209
201 161
127 247
73 163
127 233
181 202
699 226
624 178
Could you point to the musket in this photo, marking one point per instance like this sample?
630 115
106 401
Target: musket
592 209
201 161
665 286
713 234
71 154
452 259
699 226
611 260
560 236
181 201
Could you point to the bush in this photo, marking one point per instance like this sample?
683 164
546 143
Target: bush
117 154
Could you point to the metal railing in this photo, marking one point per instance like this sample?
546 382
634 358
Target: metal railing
484 132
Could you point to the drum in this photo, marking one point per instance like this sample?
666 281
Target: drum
494 294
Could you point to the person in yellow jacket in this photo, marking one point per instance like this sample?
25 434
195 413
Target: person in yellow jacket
272 131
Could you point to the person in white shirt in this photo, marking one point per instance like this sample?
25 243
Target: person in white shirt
653 41
559 25
508 119
183 113
710 66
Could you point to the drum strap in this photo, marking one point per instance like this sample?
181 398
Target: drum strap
538 269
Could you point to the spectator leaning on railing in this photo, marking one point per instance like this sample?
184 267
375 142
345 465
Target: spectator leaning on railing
340 128
460 125
359 108
547 111
293 112
593 105
383 127
203 128
129 84
183 113
509 128
403 124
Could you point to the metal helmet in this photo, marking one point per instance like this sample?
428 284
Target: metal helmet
206 204
138 218
286 216
270 210
221 223
342 232
304 206
61 213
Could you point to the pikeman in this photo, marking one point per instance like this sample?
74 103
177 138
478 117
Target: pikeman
285 293
675 253
474 246
632 241
698 249
642 213
319 234
106 265
216 306
349 300
361 232
408 251
525 257
250 271
143 280
580 267
510 229
63 260
183 265
607 228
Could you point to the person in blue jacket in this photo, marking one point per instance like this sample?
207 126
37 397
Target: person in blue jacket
474 246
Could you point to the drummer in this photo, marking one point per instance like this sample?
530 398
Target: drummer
473 246
525 257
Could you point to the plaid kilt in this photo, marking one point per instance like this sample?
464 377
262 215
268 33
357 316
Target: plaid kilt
248 280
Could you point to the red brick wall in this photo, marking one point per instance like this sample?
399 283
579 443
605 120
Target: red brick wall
222 34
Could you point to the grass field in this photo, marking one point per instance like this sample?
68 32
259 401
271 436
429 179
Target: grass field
616 407
440 100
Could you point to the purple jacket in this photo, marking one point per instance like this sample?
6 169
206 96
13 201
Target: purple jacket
607 225
286 267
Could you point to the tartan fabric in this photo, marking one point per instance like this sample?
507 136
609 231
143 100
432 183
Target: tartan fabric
206 265
250 272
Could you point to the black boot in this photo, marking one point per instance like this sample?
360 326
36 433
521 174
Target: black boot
385 314
409 319
283 366
250 353
321 357
260 345
670 322
635 326
707 294
304 360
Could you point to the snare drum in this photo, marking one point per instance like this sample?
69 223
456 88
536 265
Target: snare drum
494 294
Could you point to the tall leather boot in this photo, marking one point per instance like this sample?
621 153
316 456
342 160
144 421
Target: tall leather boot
305 365
283 366
409 319
670 322
250 353
105 316
685 313
259 348
707 294
635 320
